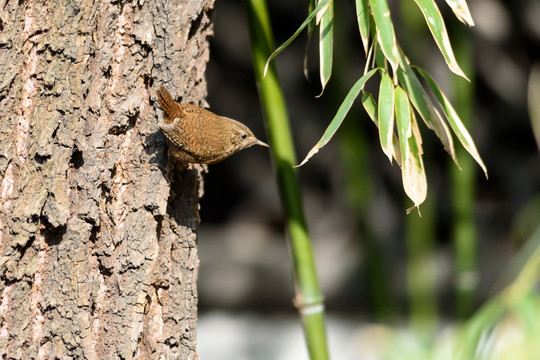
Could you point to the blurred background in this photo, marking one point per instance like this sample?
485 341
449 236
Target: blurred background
381 270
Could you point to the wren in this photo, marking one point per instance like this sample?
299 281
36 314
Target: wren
198 136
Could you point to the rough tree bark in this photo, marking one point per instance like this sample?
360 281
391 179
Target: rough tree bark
97 242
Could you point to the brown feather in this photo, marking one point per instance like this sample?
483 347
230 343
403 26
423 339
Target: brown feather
167 103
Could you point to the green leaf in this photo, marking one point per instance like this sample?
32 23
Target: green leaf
380 59
362 15
423 104
416 133
455 122
340 115
371 108
325 18
436 25
461 10
385 31
282 47
386 115
403 119
311 24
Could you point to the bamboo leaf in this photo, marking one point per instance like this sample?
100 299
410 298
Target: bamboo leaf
385 31
416 133
403 120
340 115
455 122
326 41
362 15
386 115
306 22
310 27
414 178
311 24
423 104
436 25
380 59
371 108
412 172
461 10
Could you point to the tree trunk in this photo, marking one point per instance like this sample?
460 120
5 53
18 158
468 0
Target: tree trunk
97 241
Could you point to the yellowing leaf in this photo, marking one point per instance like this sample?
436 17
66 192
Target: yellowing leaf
461 10
412 172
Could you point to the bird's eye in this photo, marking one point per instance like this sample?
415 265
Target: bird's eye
244 136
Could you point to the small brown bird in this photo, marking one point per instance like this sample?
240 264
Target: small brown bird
199 136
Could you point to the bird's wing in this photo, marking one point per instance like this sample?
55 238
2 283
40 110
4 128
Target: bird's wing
177 136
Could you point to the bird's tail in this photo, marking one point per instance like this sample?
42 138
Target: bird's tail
167 103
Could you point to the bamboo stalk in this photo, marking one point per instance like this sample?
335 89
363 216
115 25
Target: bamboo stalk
308 299
463 190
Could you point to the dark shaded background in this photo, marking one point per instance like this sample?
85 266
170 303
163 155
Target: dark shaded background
243 250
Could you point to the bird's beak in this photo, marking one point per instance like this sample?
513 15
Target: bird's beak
259 142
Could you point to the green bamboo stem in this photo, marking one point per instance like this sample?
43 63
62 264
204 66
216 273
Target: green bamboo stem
308 300
422 270
463 189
